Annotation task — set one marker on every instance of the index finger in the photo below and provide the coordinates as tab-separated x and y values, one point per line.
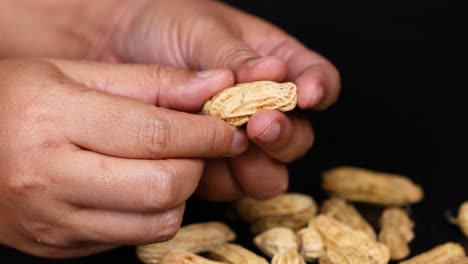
122	127
317	79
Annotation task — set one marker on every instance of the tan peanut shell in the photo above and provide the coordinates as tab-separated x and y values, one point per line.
324	260
462	218
346	245
462	260
236	104
288	256
195	238
235	254
362	185
396	232
178	256
294	221
311	244
276	239
447	253
250	209
346	213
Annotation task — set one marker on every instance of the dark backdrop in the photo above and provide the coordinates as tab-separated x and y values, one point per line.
402	109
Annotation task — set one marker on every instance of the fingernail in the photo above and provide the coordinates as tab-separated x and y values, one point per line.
208	73
240	142
271	133
251	63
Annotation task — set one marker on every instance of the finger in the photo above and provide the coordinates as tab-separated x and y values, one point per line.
93	180
223	48
40	249
118	126
218	183
317	79
259	175
163	86
125	228
285	138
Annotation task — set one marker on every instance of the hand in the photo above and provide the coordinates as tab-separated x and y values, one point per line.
83	171
193	35
208	34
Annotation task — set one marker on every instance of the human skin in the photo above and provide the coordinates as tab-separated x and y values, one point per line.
193	35
83	170
190	34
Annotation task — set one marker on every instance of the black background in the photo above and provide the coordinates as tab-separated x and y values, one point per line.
402	108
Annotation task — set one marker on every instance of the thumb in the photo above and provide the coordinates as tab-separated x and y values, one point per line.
163	86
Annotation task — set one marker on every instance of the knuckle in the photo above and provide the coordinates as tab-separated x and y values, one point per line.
169	225
25	185
160	229
153	135
161	191
159	73
231	55
47	234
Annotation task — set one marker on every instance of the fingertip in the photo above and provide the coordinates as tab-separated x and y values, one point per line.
262	68
266	126
240	142
311	91
318	87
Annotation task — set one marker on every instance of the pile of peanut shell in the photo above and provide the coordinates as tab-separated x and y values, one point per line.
292	229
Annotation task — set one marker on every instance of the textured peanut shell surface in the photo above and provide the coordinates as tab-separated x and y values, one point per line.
396	232
346	245
362	185
178	256
276	239
448	253
195	238
235	254
236	104
288	256
462	218
347	213
250	209
311	245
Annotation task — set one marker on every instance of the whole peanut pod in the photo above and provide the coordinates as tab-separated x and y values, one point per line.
356	184
195	238
396	232
276	239
236	104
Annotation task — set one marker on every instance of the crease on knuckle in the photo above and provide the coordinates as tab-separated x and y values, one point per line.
160	191
230	55
153	136
168	227
47	234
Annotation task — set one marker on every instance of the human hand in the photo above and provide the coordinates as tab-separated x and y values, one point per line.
208	34
83	171
193	35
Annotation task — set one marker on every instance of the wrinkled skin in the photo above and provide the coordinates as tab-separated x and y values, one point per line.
186	34
83	171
